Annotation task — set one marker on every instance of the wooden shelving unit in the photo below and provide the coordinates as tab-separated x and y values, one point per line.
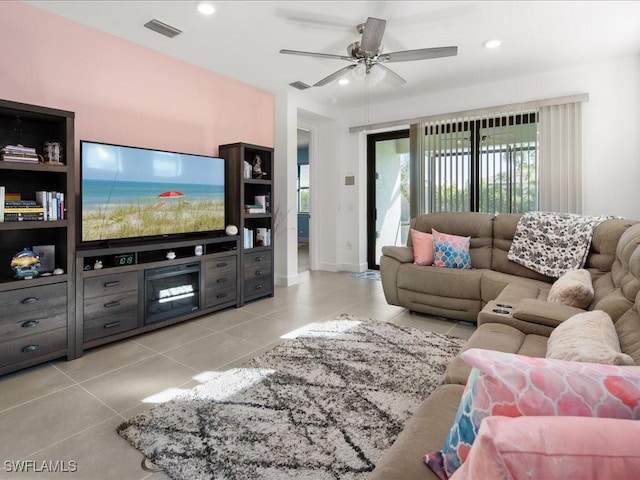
244	185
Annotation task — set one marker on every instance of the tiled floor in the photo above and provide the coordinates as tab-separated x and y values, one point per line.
67	412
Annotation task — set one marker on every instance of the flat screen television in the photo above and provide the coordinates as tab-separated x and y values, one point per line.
129	193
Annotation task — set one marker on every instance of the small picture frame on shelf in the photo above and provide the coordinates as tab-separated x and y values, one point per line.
47	255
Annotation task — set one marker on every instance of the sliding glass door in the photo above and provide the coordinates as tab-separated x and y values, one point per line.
388	192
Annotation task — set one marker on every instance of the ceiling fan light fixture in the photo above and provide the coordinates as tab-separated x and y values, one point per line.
360	71
376	75
493	43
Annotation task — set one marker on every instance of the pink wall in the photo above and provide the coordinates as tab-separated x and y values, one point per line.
124	93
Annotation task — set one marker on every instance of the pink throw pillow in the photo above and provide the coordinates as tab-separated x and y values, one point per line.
516	385
523	448
422	247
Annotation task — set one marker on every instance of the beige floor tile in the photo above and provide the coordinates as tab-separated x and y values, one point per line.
211	352
33	426
421	321
126	387
99	453
220	321
173	336
26	385
100	360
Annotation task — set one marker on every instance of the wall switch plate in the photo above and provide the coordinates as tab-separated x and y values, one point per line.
349	180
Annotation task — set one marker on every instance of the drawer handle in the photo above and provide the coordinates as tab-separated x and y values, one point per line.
221	295
111	325
29	300
258	287
115	283
258	259
259	273
221	280
30	348
222	264
115	303
30	324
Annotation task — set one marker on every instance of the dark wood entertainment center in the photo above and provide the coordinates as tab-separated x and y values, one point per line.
105	294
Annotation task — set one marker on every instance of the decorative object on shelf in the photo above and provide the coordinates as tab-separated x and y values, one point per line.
97	265
247	170
257	167
231	230
47	256
25	264
53	153
58	271
198	250
171	255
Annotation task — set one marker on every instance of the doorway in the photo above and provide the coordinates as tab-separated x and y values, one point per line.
388	193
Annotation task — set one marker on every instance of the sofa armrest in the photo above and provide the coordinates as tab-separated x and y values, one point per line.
542	312
402	254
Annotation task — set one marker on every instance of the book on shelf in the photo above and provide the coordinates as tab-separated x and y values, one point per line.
18	149
23	210
2	200
53	204
254	208
248	238
23	217
20	203
12	196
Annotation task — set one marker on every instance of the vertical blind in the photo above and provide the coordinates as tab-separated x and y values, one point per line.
485	163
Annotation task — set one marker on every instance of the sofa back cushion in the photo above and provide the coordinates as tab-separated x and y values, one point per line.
478	226
616	291
504	229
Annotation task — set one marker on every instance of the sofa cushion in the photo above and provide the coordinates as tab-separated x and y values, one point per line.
425	431
523	448
504	229
516	385
478	226
573	288
587	337
422	247
451	251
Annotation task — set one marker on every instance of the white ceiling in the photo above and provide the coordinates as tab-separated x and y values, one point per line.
243	38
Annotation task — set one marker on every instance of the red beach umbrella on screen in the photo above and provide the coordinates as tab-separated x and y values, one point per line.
171	193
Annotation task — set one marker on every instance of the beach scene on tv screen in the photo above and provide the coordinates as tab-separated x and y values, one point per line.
130	192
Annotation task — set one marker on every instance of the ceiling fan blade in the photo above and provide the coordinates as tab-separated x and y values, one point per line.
419	54
391	77
372	35
335	75
317	55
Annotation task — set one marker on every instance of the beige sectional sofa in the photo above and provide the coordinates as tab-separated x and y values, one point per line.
523	327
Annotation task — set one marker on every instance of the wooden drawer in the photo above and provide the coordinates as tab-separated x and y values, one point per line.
252	260
18	304
30	323
25	348
104	326
215	266
258	280
110	284
220	281
109	305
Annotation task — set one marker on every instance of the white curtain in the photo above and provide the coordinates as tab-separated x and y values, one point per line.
560	160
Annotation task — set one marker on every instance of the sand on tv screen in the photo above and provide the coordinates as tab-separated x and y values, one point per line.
129	192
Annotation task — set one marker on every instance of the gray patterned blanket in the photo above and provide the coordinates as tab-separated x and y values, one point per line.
553	243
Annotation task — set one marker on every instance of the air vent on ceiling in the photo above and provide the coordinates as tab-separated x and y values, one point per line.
162	28
300	85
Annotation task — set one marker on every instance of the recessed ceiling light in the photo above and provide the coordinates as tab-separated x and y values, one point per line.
495	43
206	8
343	81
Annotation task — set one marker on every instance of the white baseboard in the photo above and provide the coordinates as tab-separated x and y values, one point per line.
284	281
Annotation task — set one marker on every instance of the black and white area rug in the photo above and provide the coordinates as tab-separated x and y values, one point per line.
324	405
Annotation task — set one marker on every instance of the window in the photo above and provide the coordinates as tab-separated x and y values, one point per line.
303	188
483	165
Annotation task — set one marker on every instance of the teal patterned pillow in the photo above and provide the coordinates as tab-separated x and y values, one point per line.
451	251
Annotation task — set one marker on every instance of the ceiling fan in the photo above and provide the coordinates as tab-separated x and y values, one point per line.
366	56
